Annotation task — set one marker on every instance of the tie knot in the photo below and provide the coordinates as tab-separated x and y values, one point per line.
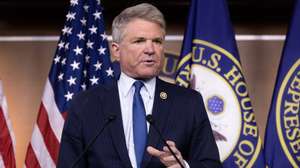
138	85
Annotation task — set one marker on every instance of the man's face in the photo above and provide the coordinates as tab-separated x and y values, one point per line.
141	50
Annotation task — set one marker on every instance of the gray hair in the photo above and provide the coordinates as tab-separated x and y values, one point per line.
143	11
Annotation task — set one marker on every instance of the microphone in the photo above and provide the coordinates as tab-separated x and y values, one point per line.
150	119
108	120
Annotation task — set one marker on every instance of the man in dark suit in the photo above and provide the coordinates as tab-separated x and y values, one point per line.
128	140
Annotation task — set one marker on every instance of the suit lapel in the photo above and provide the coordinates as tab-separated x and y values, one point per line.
116	127
160	113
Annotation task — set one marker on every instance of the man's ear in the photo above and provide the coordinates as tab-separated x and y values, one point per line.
115	49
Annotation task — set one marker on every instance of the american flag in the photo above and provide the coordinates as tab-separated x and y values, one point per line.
7	138
81	61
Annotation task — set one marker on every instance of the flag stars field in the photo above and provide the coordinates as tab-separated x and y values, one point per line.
102	50
97	15
97	66
75	65
69	96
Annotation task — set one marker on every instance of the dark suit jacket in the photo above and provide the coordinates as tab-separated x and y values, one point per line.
180	117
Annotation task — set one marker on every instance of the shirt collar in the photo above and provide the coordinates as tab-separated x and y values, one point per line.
126	83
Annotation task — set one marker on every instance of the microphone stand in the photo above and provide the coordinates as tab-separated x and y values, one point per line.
151	121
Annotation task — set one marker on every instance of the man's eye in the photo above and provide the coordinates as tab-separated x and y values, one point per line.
139	41
158	41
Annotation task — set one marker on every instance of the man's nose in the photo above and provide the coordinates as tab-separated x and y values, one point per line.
149	48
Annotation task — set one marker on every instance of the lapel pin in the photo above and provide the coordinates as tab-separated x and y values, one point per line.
163	95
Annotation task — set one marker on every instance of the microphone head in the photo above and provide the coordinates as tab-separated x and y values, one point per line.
149	118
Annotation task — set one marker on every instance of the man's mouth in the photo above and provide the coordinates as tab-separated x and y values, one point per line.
148	62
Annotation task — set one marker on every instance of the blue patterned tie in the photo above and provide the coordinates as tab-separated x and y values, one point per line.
139	123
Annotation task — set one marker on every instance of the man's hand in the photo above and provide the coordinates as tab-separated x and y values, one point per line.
165	156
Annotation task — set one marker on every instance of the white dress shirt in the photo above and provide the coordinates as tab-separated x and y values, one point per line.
126	92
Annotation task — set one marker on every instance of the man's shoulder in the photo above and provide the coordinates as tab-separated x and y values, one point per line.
178	90
97	91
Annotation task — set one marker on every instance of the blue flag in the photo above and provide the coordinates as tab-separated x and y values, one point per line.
282	139
210	63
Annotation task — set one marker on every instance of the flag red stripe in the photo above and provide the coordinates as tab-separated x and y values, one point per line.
50	139
31	160
6	145
64	114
